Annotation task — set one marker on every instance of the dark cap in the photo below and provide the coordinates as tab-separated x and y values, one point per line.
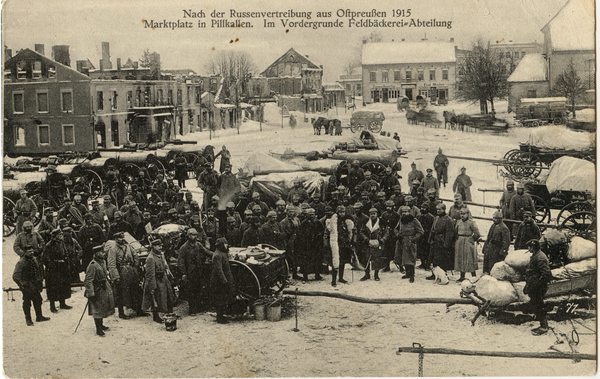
119	235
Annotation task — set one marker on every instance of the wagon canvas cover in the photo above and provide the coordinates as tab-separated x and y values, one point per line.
561	137
571	174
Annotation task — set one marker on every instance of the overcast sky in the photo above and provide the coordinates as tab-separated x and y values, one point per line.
84	24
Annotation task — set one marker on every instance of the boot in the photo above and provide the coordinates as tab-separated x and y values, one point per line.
462	277
367	273
318	276
104	328
39	317
376	275
407	272
53	307
99	331
333	277
27	312
122	313
341	273
411	273
473	274
64	305
157	318
387	267
305	277
221	316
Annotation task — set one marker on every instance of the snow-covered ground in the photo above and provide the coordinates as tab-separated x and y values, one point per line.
336	337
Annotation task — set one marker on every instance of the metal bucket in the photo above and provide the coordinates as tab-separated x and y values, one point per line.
171	322
260	311
274	312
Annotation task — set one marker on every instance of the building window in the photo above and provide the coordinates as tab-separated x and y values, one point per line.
68	134
21	70
66	99
19	136
420	75
42	102
114	100
213	85
159	96
372	76
348	88
43	135
531	93
100	97
508	54
7	75
516	55
138	98
51	72
179	96
501	55
37	70
396	76
522	54
170	98
18	106
423	93
129	98
359	89
432	74
408	75
384	76
198	94
445	74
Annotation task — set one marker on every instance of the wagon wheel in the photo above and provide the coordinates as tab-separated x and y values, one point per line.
535	124
375	126
96	184
129	172
542	210
376	168
245	279
509	157
190	159
582	224
533	163
569	209
155	166
281	281
9	220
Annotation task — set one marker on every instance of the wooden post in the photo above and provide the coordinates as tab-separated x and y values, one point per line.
506	354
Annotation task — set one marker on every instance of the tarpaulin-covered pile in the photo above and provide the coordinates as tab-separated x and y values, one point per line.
571	174
561	137
277	185
383	143
385	157
261	164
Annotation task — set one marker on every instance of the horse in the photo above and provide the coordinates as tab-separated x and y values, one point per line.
450	118
319	123
412	116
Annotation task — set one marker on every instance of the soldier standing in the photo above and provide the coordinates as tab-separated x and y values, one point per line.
122	264
25	210
29	276
98	290
58	273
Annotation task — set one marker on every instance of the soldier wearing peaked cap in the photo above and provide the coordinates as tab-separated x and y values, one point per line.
520	203
98	290
191	263
496	244
89	235
58	273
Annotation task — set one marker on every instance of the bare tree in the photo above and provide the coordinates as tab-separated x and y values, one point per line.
484	76
235	66
569	85
145	58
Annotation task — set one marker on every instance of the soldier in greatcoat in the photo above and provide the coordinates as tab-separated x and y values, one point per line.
89	235
58	272
29	275
122	264
98	290
376	234
73	253
28	238
496	244
222	284
465	257
340	237
526	231
272	231
158	293
192	264
25	209
409	232
441	241
289	229
310	245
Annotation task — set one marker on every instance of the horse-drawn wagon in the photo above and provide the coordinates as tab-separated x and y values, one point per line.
536	112
367	120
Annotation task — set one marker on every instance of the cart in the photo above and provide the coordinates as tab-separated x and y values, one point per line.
536	112
367	120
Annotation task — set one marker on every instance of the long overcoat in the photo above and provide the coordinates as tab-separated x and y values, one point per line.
58	273
496	245
98	290
158	293
465	256
409	232
122	264
441	242
222	283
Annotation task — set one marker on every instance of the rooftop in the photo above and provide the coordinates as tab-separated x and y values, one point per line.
408	52
532	68
573	27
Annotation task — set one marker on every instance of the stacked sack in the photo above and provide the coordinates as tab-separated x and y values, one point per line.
582	258
507	279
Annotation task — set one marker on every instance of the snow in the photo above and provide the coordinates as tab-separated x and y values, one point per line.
571	174
532	68
407	52
573	27
335	337
561	137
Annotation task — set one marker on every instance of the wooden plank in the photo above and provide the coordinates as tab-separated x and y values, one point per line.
506	354
569	286
417	300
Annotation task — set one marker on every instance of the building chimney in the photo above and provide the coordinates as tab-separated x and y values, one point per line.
403	39
60	53
135	64
452	40
39	48
119	64
105	63
306	56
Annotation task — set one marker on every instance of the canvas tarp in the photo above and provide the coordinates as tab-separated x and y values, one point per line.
277	185
561	137
571	174
385	157
383	143
325	166
263	164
